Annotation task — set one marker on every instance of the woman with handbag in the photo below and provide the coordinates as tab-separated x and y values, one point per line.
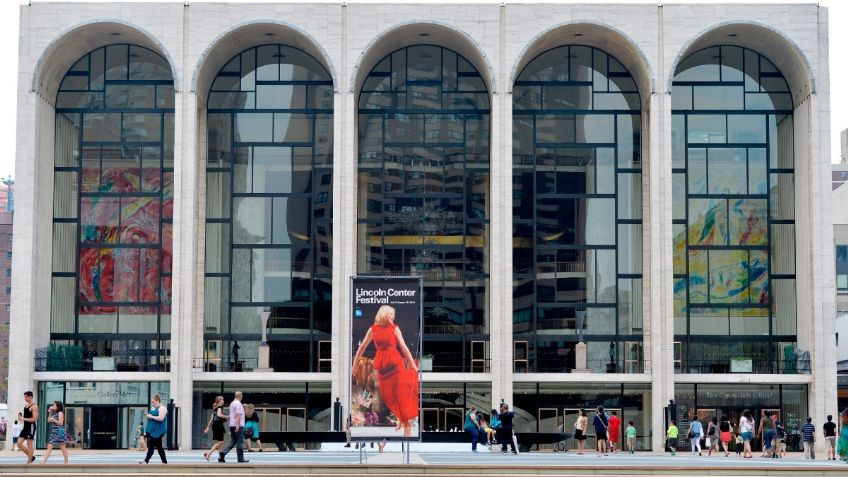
58	436
580	431
695	432
601	423
216	423
251	427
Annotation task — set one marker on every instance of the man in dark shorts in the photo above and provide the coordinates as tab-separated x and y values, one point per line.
29	417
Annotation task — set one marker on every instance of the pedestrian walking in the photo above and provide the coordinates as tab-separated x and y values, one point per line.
601	424
580	431
236	418
58	436
746	431
696	430
725	434
251	427
29	417
472	427
216	424
140	440
16	431
808	434
156	429
614	431
712	436
767	432
843	436
780	447
506	417
829	430
631	436
671	436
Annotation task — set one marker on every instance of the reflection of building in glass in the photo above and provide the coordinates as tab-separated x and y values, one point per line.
424	178
7	209
553	182
577	212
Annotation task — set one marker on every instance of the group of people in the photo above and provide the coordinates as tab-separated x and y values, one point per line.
243	423
29	418
491	430
607	432
718	434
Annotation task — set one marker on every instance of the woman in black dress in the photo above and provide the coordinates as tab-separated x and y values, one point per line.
216	423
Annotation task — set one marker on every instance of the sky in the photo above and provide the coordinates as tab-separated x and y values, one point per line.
9	17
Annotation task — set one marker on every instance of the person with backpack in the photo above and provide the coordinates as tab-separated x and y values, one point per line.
494	425
601	423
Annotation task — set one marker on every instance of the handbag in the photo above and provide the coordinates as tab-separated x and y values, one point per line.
691	435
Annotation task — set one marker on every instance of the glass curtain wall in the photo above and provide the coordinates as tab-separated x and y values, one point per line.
733	214
112	213
423	192
269	211
577	213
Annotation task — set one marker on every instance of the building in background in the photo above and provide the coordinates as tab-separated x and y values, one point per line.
604	211
7	208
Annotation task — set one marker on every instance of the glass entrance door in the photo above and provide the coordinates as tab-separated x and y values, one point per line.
104	427
75	425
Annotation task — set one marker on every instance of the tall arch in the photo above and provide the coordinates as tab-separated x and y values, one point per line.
733	211
250	34
113	207
423	192
269	195
412	33
766	40
594	34
80	39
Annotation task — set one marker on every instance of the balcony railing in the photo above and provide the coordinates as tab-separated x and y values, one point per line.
743	365
561	365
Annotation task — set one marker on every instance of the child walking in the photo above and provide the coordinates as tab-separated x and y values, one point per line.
672	434
631	436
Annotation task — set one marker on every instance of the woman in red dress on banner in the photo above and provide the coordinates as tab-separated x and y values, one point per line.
398	383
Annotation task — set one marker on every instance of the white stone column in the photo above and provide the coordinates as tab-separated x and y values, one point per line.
658	266
500	252
344	240
185	261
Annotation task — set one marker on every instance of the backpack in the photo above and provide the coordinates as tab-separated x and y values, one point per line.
781	432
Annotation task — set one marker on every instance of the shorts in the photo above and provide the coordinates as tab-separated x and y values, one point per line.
613	437
27	434
578	435
725	437
831	441
14	440
254	439
601	435
747	436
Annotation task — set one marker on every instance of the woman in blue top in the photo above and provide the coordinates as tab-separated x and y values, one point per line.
156	429
601	423
696	430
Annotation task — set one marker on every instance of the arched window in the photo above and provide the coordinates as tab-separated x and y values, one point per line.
269	211
577	213
733	212
112	211
423	193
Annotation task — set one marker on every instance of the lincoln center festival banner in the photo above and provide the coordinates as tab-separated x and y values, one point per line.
386	354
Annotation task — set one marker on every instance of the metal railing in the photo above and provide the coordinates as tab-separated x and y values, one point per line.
102	364
213	365
752	365
560	365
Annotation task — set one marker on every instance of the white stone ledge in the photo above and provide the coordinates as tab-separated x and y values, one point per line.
594	378
743	378
100	376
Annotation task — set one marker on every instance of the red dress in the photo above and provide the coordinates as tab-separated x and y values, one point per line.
398	384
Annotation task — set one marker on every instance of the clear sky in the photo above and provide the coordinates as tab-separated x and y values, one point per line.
9	16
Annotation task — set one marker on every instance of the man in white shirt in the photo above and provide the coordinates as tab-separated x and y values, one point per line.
236	429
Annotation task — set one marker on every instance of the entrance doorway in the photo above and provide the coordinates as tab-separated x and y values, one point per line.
104	427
